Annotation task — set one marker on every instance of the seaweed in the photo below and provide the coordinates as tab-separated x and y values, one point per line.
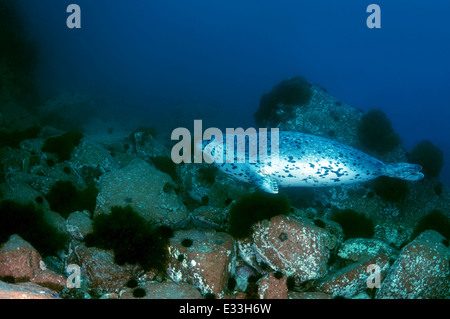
429	156
13	139
207	174
253	208
187	242
64	198
30	224
354	224
133	239
391	189
139	293
166	165
376	133
290	92
146	133
63	145
435	220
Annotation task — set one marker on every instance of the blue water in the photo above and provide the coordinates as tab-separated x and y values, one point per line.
214	59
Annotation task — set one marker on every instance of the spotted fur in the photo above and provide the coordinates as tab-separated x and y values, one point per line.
312	161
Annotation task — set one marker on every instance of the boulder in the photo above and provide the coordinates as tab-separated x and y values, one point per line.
217	191
293	246
100	269
420	272
358	249
325	116
18	259
90	160
308	295
351	280
20	262
79	224
26	290
165	290
205	259
143	188
209	217
271	287
21	192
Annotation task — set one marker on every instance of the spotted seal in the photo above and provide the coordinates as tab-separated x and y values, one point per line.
306	160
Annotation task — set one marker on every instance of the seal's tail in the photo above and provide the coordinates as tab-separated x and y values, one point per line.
406	171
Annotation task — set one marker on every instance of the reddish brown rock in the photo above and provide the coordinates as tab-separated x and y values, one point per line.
101	270
294	246
420	271
19	260
240	295
206	264
308	295
349	281
270	287
50	279
164	290
25	291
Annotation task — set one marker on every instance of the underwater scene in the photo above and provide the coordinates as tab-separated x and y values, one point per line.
226	150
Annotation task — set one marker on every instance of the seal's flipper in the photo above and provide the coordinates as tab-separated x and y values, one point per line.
266	183
405	171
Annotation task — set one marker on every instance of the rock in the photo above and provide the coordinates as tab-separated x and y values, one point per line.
20	261
393	234
325	116
88	156
208	217
308	295
357	249
78	225
142	187
13	159
351	280
41	184
50	279
192	183
100	270
295	247
270	287
362	295
225	189
165	290
87	163
335	235
220	193
242	275
237	295
146	146
207	263
420	272
22	193
25	291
